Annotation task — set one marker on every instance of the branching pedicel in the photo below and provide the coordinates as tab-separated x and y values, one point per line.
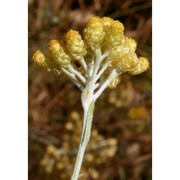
93	62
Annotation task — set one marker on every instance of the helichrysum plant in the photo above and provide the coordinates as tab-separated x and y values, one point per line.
93	61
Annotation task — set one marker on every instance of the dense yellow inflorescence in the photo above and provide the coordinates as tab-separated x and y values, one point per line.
93	61
105	34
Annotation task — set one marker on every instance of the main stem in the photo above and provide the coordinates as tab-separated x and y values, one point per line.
88	115
88	99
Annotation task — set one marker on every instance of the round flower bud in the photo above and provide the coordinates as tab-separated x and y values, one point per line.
94	33
45	62
106	21
127	62
115	34
141	66
114	82
39	58
57	52
74	44
118	51
132	43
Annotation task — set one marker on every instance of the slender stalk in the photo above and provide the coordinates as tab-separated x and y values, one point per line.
99	58
106	83
97	85
88	99
77	73
83	63
103	68
88	115
73	78
90	69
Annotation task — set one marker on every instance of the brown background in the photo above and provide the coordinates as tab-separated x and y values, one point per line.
123	113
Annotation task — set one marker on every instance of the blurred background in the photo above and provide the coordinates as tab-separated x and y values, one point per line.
120	147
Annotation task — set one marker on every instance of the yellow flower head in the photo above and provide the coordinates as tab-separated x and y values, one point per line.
94	33
132	43
57	52
115	34
118	51
45	62
75	44
141	66
128	62
123	56
39	58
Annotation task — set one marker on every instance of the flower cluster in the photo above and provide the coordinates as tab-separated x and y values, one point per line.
93	62
102	52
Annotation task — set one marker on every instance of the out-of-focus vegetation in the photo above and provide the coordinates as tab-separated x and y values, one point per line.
59	161
120	146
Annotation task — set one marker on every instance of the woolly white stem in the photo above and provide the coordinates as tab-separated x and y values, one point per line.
96	86
88	99
99	59
97	62
73	78
88	114
104	67
105	54
77	73
90	69
112	75
83	63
